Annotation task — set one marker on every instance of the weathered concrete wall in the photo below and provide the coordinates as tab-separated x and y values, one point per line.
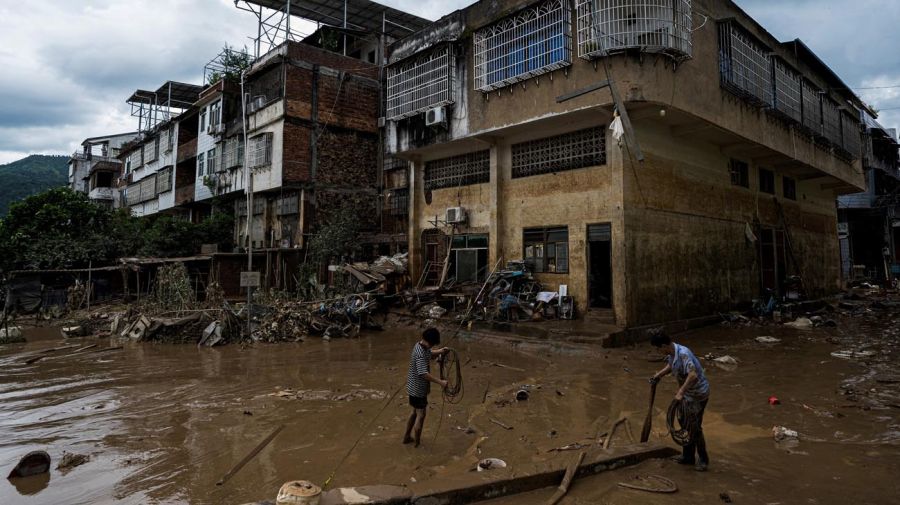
685	226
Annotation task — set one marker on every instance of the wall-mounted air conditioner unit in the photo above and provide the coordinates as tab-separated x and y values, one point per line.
456	215
258	102
436	116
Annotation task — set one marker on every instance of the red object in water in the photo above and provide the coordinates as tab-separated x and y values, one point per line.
774	401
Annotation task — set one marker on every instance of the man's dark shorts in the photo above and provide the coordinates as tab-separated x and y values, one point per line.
418	402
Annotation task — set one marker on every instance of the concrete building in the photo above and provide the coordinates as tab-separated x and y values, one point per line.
95	169
869	222
722	187
150	161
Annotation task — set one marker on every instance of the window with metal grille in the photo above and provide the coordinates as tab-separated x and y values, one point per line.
740	173
233	154
851	135
260	154
766	181
787	90
422	82
240	207
789	188
546	249
462	170
391	163
136	158
609	26
531	42
201	164
399	202
148	188
164	180
745	66
831	121
288	205
151	150
211	161
569	151
133	194
812	108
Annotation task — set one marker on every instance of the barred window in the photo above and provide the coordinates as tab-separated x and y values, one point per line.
399	202
569	151
240	207
233	153
766	181
789	188
420	83
133	194
151	150
392	163
740	173
463	170
609	26
211	165
812	108
787	91
744	65
532	42
200	166
148	188
288	204
831	121
164	180
850	135
136	158
260	154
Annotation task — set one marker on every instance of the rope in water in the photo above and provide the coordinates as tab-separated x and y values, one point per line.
687	420
361	435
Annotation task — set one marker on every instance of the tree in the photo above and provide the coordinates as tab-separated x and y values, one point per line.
231	64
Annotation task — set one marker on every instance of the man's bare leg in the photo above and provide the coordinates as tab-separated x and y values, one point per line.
420	423
407	439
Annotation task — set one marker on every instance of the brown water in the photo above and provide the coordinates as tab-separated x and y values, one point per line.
164	423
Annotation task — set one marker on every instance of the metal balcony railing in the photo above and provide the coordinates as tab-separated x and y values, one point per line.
658	26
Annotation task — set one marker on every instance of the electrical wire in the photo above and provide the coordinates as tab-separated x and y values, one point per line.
451	371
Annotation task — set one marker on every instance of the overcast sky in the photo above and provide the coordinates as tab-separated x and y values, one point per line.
68	66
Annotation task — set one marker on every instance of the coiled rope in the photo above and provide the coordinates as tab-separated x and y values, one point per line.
687	419
451	371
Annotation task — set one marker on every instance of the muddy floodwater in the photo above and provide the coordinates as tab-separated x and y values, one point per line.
163	423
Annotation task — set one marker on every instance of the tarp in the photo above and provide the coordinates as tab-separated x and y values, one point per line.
24	294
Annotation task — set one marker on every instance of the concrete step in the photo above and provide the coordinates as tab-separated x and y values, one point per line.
601	316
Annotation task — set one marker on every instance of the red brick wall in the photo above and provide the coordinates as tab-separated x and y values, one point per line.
316	56
296	161
350	102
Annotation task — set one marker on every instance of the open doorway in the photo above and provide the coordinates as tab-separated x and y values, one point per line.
599	239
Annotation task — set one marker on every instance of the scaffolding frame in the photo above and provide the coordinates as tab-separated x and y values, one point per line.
154	107
274	19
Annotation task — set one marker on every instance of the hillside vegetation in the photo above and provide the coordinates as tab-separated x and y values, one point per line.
29	176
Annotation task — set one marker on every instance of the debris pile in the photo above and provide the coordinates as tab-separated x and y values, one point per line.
326	395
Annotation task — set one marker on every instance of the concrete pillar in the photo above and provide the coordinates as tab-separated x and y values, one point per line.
495	242
615	159
414	235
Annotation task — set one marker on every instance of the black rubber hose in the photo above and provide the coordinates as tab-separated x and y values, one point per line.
687	420
451	371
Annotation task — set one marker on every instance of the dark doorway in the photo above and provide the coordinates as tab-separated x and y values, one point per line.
773	261
600	266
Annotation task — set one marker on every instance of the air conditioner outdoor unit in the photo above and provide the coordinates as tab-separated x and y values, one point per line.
257	103
456	215
436	116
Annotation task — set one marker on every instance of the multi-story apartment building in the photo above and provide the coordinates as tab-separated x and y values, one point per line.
869	222
312	129
150	160
95	169
717	181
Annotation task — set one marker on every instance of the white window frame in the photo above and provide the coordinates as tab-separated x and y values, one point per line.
201	165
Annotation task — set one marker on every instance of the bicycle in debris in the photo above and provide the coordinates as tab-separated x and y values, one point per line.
764	307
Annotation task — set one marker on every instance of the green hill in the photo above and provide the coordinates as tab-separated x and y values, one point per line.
31	175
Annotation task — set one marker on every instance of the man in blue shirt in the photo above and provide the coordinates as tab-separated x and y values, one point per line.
418	379
693	391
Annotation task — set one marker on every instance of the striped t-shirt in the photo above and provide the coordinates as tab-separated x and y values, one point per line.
419	365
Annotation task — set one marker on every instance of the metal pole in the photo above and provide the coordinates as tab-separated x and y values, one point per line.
88	287
248	177
287	36
345	28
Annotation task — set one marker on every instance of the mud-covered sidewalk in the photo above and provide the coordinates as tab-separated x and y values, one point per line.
163	423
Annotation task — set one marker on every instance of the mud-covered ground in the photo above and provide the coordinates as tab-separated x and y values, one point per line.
163	423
